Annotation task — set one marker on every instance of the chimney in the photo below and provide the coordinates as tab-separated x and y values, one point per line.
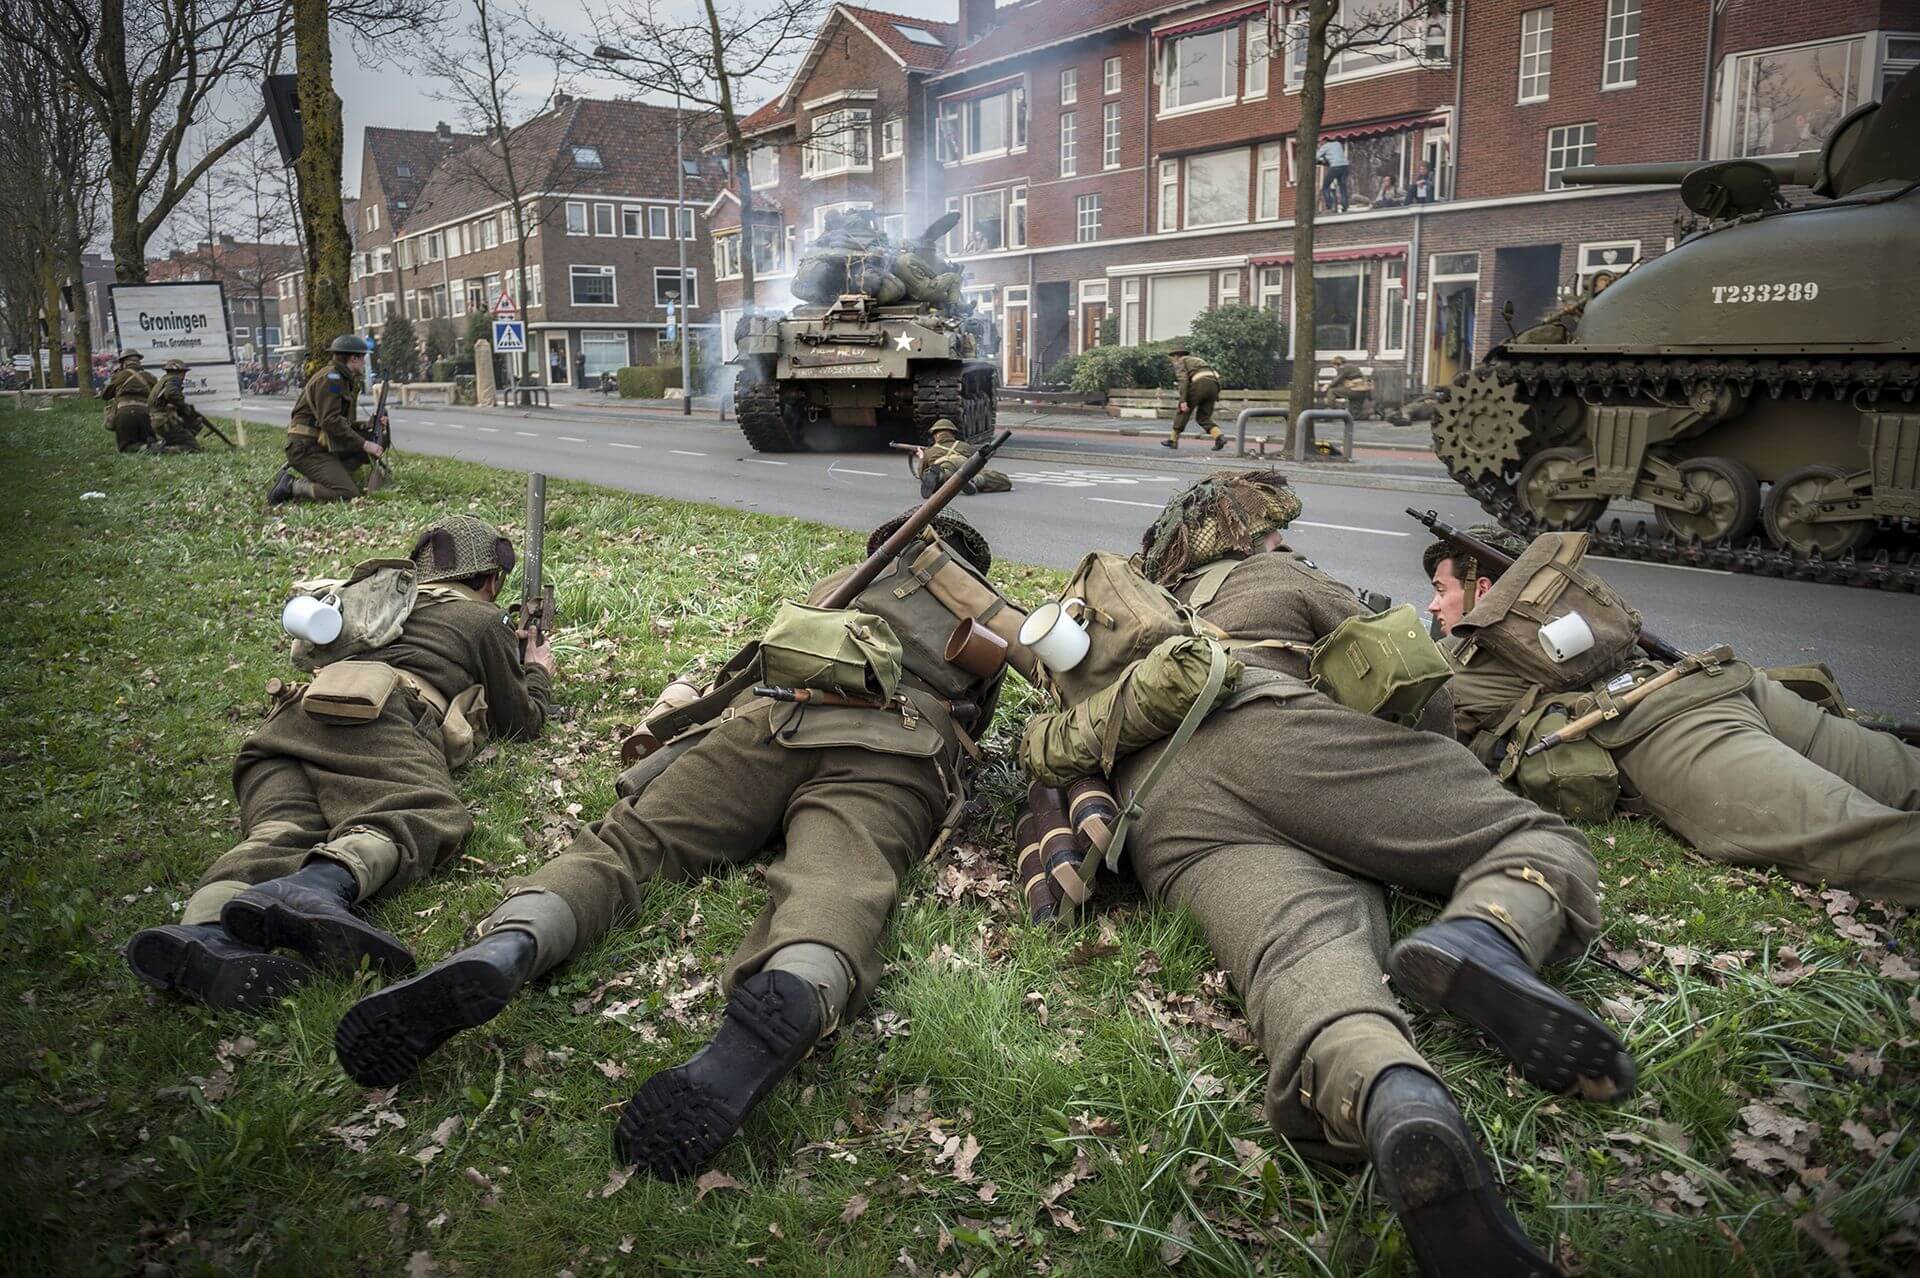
443	131
976	19
561	101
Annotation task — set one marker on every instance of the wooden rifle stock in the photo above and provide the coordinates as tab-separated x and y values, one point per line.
1651	644
863	576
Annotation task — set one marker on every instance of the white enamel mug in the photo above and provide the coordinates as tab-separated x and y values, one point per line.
1056	638
1566	638
312	618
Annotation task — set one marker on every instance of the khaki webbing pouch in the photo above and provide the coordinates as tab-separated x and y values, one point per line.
350	692
1815	683
1577	779
1386	665
832	649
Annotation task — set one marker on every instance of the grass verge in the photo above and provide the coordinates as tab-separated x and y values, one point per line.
1012	1101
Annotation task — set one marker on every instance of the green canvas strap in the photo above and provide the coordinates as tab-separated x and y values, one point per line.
1130	806
1208	581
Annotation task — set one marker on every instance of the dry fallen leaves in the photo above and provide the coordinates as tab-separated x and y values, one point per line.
856	1208
1173	1249
714	1180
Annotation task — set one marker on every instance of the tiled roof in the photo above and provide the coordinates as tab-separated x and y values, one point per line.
634	139
886	29
418	151
1026	27
769	116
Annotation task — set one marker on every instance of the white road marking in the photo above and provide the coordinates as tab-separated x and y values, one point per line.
528	434
1378	532
1712	572
632	446
449	425
1115	501
571	439
681	452
491	430
847	470
761	461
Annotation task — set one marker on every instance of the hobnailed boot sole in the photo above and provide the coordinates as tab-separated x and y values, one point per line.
168	959
336	940
383	1038
683	1116
1558	1045
1444	1197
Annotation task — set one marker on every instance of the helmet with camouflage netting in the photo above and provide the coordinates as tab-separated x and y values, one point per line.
1227	513
458	547
1467	567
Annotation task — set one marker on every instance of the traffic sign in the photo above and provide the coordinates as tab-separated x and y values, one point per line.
509	337
504	304
672	327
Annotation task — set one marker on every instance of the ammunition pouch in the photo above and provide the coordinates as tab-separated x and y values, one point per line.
1577	779
1386	665
350	692
837	650
1815	683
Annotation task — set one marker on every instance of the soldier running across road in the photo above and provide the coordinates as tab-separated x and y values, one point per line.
853	794
126	403
335	812
1736	763
324	443
1197	386
947	454
1279	825
169	412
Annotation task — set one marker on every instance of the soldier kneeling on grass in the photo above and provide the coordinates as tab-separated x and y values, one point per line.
346	792
169	412
850	796
126	404
946	454
325	446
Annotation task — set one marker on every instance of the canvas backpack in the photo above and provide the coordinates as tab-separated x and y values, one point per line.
374	600
1545	584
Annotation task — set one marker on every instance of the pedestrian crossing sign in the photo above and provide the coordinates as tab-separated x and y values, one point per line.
509	337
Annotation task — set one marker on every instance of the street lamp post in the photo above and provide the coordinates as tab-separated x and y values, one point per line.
608	53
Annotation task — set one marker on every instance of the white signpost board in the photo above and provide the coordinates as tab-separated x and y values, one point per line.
186	322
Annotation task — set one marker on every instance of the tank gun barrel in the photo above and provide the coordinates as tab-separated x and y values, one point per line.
1791	170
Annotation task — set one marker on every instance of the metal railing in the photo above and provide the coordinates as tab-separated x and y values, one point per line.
1300	429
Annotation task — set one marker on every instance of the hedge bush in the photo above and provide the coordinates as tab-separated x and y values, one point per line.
1111	368
647	381
1243	343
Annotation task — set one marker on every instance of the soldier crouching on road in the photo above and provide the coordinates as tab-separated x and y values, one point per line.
946	454
1197	386
1735	761
170	414
1280	823
324	443
338	811
856	794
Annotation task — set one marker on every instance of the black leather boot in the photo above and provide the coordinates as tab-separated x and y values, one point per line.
282	490
311	912
1470	970
1433	1175
201	962
682	1117
384	1037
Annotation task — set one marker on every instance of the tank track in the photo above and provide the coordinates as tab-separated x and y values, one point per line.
756	406
937	394
1592	377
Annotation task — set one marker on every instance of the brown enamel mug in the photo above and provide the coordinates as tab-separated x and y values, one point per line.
976	649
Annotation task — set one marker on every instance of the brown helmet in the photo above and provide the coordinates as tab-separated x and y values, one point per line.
945	426
458	547
952	529
1178	347
175	366
129	357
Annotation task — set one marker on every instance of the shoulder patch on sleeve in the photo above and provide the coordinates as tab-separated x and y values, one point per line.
333	377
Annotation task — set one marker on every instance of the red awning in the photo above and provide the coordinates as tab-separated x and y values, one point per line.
1213	22
1380	128
1336	255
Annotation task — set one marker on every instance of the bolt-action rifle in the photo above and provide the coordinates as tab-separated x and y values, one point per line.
538	609
380	425
1651	644
202	423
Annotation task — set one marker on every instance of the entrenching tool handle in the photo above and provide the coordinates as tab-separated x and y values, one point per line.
847	591
1594	718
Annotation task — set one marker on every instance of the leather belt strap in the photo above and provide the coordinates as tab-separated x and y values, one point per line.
424	690
304	432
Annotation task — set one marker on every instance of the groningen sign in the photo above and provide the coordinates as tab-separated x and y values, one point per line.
187	322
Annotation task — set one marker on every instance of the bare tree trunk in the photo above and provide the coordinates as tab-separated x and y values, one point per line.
1306	205
50	303
82	309
737	150
329	249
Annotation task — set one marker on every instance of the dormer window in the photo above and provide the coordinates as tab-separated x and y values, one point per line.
588	157
918	35
403	170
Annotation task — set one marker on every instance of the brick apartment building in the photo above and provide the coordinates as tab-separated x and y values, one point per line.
250	273
1132	158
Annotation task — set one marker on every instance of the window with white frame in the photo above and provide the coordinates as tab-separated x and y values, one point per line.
1340	307
1273	287
1622	69
1199	70
657	221
603	219
1611	256
576	218
985	126
1169	201
1110	136
490	234
1069	86
435	246
667	286
459	298
986	221
536	292
1393	308
686	224
1899	55
726	256
1227	291
1129	311
481	292
893	138
1259	46
763	167
1217	188
1173	302
957	236
946	133
373	217
1569	146
1086	219
592	285
1017	217
1422	32
1069	144
587	157
1536	54
603	350
1779	101
840	142
1110	76
630	222
1269	182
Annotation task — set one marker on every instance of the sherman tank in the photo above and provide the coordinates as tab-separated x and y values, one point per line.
1755	384
886	349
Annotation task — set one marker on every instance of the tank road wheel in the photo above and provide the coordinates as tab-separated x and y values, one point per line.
1546	468
1789	507
1733	502
763	419
1478	428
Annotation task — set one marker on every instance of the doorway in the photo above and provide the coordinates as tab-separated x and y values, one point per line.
1093	313
1017	335
1527	277
1052	327
1452	306
559	366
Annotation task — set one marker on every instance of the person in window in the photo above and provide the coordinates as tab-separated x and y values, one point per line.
1332	156
1390	195
1420	191
976	243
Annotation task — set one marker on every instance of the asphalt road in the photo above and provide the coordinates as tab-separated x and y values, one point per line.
1061	509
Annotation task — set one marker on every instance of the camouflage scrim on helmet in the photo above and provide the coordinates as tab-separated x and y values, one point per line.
458	547
1467	567
952	529
1224	514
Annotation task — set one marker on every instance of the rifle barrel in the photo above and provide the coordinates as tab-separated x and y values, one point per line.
533	573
